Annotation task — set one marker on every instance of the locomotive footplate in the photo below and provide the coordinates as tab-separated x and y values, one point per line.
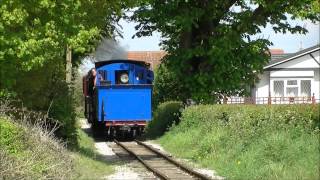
125	128
126	123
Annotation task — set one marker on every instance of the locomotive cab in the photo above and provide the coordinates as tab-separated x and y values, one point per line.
122	96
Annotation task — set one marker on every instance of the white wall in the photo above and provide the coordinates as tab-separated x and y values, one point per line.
316	85
299	73
302	62
304	67
262	87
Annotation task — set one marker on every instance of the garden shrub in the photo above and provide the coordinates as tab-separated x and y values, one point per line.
164	117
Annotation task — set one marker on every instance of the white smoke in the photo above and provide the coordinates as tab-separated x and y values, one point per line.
87	63
109	50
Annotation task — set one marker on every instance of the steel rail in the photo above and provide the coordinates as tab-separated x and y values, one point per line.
148	166
179	165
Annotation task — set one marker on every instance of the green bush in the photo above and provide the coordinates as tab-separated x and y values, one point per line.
11	137
43	89
63	110
164	117
250	142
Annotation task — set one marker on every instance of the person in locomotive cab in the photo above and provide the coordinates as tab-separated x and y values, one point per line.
91	81
91	78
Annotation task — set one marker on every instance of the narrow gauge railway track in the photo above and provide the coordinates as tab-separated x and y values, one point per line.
160	164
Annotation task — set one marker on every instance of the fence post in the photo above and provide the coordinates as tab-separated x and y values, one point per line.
225	100
313	99
269	98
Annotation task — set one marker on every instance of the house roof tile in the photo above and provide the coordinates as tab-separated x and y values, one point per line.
277	56
281	58
152	57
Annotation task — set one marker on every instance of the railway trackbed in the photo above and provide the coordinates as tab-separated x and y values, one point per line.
158	163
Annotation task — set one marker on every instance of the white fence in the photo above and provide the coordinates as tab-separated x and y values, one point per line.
270	100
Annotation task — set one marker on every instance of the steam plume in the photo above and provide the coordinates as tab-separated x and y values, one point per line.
109	49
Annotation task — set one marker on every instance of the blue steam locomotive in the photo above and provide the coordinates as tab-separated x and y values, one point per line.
118	97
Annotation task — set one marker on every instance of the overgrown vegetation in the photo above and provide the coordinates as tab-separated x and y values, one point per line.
44	89
164	117
250	142
29	152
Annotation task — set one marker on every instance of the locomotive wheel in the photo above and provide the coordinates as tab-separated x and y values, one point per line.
139	131
118	132
89	118
133	133
110	133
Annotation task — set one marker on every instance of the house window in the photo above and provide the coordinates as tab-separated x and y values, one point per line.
292	82
278	88
305	88
291	88
292	91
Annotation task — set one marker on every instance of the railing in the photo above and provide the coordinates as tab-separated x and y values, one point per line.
270	100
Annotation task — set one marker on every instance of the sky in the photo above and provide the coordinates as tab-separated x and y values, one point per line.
288	42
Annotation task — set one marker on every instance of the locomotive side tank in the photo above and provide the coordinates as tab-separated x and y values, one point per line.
121	101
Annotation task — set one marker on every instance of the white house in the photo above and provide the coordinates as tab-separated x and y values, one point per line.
290	78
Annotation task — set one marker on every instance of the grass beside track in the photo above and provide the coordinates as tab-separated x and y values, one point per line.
249	142
88	163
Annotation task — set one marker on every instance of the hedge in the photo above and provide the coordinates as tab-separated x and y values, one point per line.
250	142
164	117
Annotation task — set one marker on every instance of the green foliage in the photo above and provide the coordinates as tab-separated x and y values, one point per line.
78	96
35	32
166	86
309	11
166	115
44	89
63	109
11	137
250	142
4	93
33	39
209	43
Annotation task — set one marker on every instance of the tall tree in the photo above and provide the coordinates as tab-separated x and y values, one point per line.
209	43
34	36
36	31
